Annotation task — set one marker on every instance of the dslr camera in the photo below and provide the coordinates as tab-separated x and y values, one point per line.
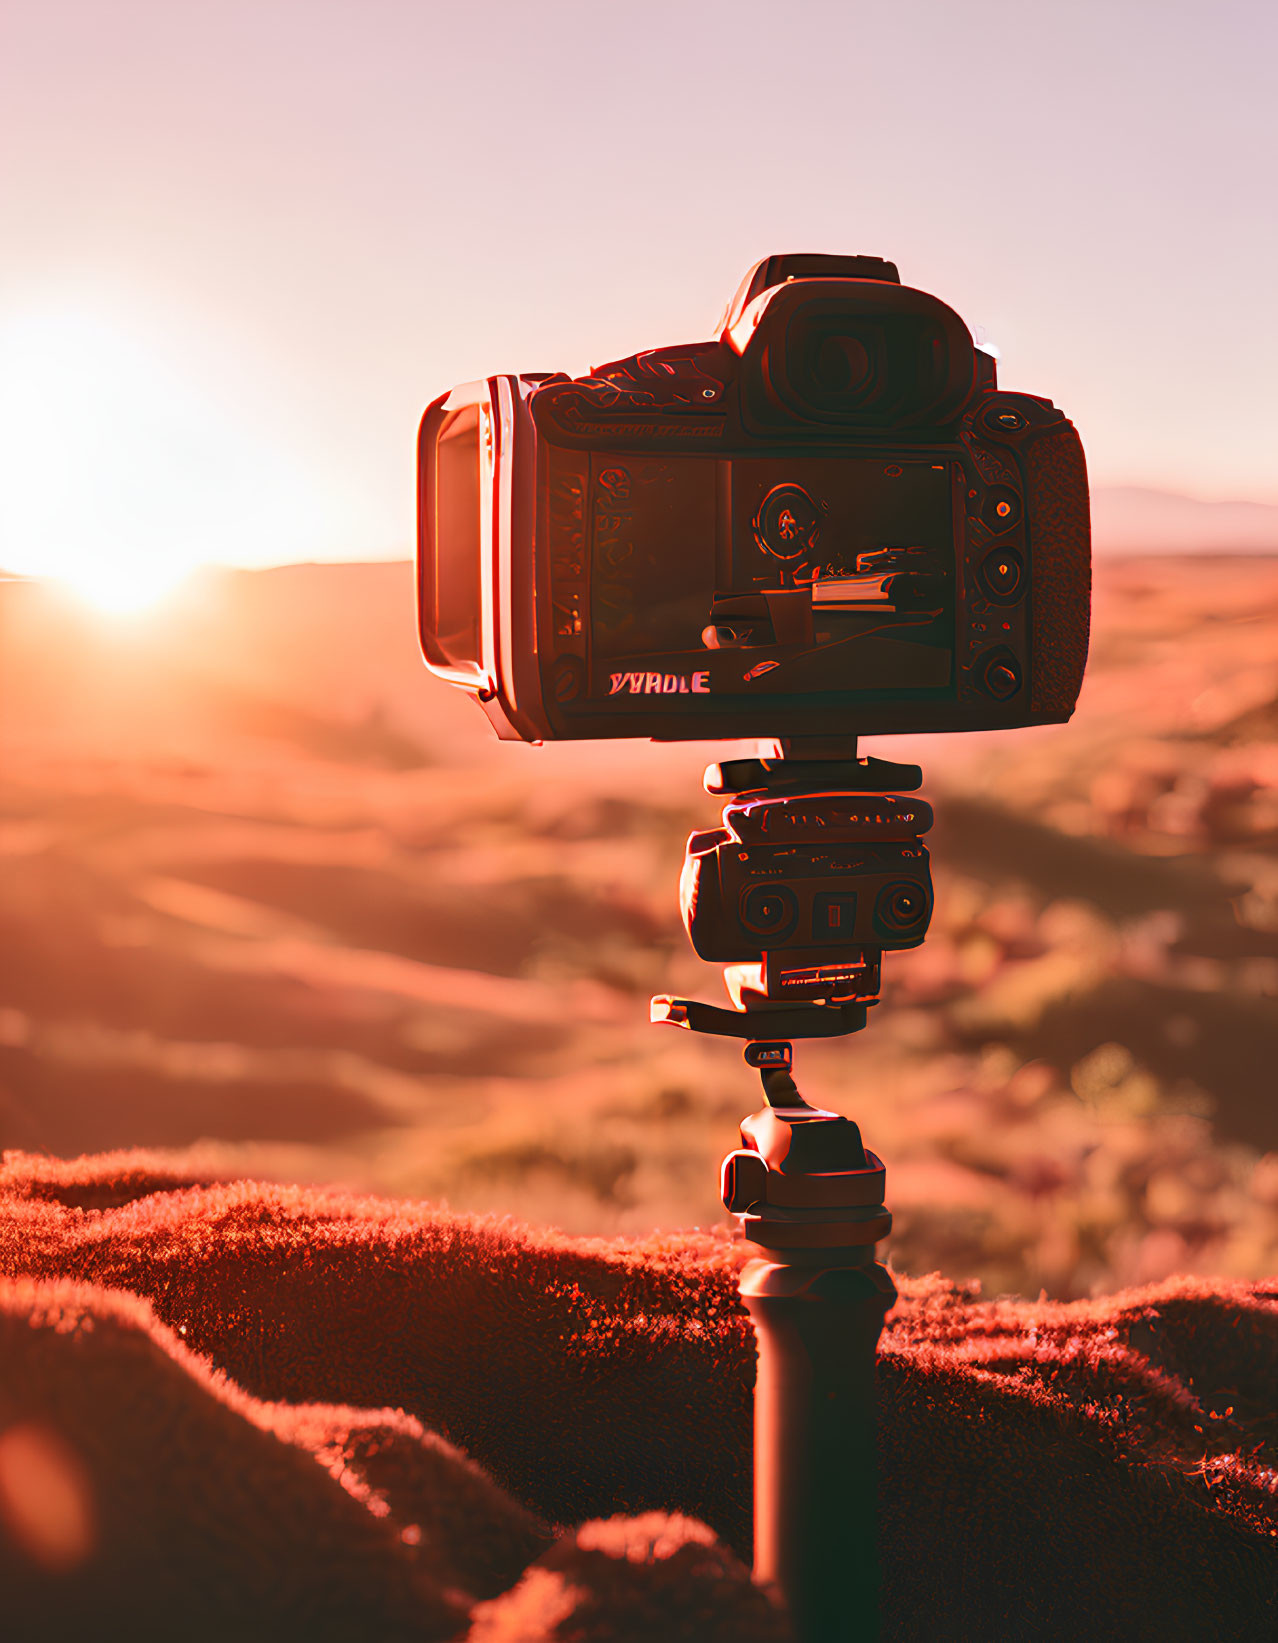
826	521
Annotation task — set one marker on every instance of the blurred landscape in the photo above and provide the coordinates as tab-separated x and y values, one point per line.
269	891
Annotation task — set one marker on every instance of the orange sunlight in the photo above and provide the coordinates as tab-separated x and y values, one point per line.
123	590
123	471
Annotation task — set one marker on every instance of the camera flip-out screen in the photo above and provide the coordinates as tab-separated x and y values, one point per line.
456	484
829	521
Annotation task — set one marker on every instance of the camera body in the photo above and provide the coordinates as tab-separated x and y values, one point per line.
827	521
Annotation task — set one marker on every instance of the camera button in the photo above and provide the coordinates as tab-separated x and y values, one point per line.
1002	575
1001	509
568	678
1003	420
1000	675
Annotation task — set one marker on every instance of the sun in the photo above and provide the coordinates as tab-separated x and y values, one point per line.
125	469
124	590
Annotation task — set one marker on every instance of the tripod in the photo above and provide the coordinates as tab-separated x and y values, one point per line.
817	869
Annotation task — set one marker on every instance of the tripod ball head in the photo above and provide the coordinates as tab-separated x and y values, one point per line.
803	1181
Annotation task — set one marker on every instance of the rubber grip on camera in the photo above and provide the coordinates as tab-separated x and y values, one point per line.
1060	540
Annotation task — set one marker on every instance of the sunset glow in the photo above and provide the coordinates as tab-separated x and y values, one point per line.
123	589
123	472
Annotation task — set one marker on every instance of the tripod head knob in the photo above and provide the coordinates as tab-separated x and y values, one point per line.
803	1179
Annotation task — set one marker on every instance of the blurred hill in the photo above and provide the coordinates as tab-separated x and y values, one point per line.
267	886
1135	519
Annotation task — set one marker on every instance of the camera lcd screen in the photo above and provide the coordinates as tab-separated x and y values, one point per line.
458	536
771	574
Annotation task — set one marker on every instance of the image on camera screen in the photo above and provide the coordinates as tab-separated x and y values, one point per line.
773	574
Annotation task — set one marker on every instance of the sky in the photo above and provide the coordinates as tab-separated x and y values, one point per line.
245	242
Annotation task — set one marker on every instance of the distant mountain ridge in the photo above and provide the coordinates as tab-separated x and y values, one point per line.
1138	519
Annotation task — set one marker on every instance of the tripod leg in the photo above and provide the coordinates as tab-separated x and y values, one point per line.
815	1478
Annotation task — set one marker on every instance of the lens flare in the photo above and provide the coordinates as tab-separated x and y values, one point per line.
46	1503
